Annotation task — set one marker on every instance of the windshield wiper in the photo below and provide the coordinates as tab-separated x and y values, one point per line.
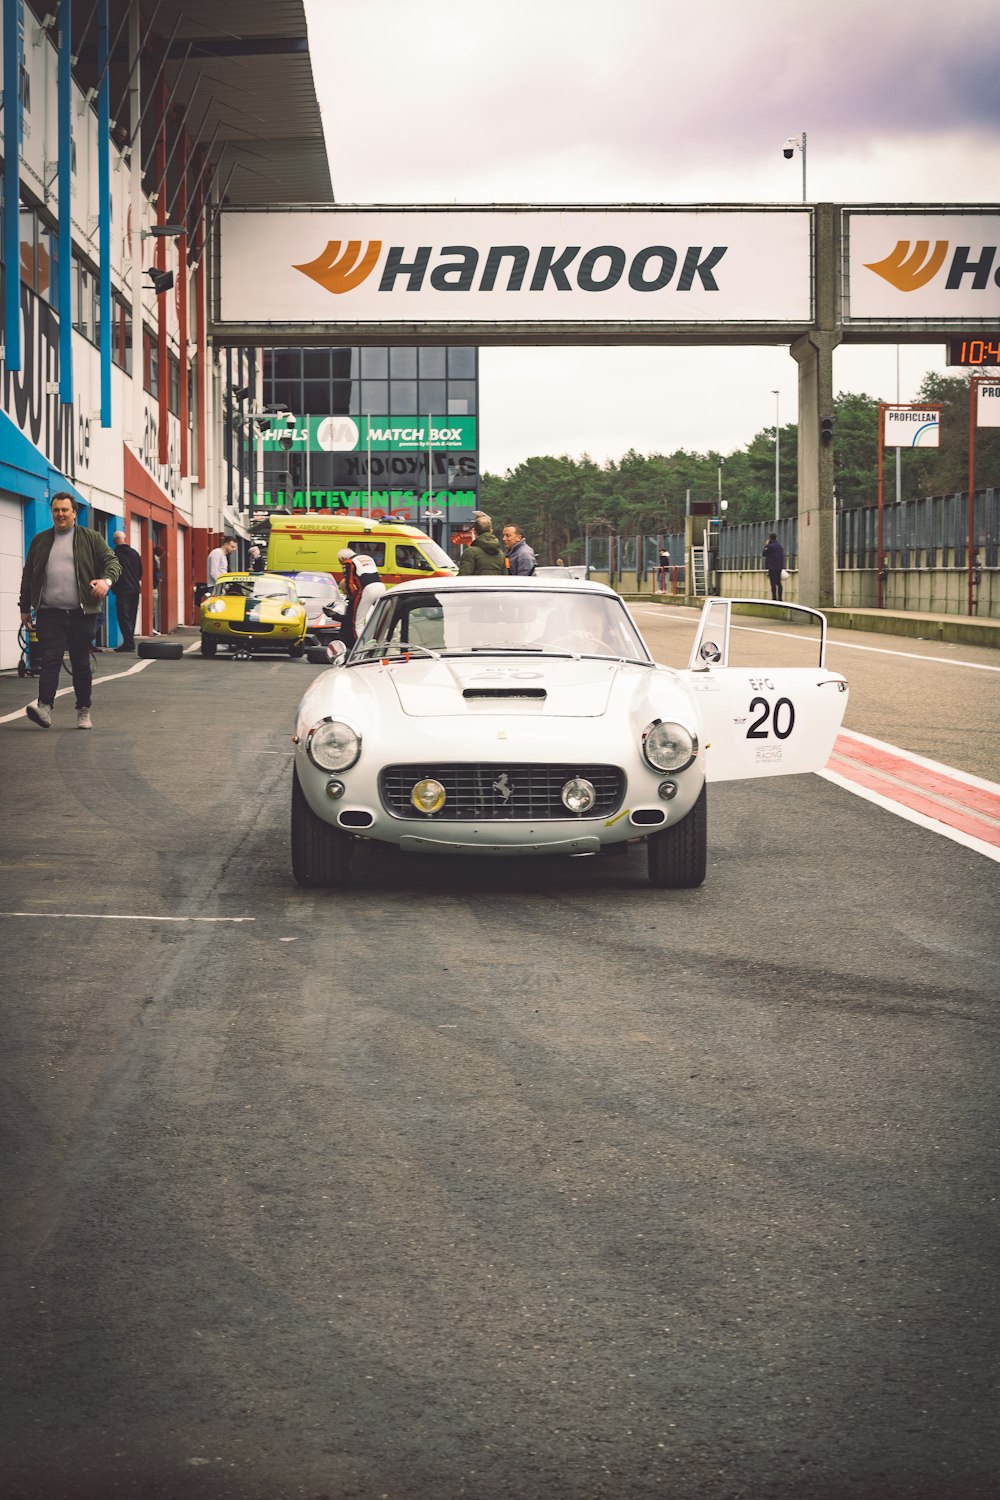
394	649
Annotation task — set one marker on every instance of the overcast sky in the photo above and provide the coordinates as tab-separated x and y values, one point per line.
658	101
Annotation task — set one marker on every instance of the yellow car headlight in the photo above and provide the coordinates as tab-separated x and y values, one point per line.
215	607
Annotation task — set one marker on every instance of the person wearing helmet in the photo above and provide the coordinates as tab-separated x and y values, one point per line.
363	587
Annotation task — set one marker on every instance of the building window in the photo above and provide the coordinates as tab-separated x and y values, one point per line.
173	383
403	364
432	397
150	362
462	364
84	301
403	397
461	397
121	333
432	364
374	364
375	396
29	247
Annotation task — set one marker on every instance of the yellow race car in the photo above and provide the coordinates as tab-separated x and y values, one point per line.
251	612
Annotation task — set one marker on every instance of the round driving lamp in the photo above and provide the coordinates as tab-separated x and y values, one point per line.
668	747
578	795
215	607
428	796
333	745
335	789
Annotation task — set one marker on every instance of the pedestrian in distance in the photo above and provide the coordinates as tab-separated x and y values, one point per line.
126	588
258	562
69	569
664	569
218	560
483	557
520	557
774	562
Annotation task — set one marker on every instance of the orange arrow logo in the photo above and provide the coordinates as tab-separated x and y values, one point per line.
907	271
342	273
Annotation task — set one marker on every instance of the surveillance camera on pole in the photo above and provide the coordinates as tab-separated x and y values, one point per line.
287	438
788	150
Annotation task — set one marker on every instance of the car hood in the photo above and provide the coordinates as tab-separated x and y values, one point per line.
562	687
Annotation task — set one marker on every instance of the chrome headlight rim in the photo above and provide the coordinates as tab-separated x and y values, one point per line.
317	740
578	796
654	749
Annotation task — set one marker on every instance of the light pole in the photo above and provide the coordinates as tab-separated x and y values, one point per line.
793	144
777	453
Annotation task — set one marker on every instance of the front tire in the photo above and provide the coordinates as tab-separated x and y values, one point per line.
677	856
209	645
296	651
321	855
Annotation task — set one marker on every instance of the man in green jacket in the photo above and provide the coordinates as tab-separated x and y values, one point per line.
484	554
67	573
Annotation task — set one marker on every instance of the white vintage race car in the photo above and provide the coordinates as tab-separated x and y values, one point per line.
526	716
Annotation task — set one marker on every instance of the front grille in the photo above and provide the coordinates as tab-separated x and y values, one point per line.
500	792
243	627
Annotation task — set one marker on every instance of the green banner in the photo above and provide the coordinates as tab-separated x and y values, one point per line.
359	501
382	434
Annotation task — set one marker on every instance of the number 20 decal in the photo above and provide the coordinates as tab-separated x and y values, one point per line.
782	719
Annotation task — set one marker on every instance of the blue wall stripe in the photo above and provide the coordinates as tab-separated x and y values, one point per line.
65	181
12	44
104	207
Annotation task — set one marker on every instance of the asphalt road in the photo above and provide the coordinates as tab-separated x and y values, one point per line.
511	1179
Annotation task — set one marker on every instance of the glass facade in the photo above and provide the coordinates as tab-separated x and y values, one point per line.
396	452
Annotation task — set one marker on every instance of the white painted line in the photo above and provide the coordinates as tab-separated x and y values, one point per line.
96	916
831	645
139	666
911	816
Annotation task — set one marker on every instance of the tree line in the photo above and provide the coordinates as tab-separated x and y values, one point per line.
557	501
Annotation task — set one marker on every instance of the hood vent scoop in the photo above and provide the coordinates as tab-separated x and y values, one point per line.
503	692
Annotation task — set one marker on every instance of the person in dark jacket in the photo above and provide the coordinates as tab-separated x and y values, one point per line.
68	571
126	590
520	557
484	555
774	562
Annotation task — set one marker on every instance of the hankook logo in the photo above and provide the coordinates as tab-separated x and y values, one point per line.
908	269
465	268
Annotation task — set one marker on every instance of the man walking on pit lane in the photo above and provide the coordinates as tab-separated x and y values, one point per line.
68	571
126	590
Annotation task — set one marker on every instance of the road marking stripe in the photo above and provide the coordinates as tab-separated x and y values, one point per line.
962	807
97	916
939	781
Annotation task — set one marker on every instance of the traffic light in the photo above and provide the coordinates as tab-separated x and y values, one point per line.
826	429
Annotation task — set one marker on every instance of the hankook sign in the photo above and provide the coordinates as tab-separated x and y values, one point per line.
718	274
548	266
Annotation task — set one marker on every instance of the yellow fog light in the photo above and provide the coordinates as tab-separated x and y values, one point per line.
578	795
428	796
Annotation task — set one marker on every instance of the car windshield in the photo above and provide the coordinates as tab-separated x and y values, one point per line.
261	586
317	591
503	619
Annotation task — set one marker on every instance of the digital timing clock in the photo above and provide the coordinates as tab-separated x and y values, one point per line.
975	351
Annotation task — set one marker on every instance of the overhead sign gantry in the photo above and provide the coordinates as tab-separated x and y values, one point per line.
807	276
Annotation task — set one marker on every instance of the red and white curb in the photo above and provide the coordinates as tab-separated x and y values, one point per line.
962	807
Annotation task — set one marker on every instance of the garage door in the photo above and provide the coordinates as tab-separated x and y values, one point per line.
11	566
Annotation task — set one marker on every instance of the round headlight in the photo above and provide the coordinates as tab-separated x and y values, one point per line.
332	745
428	796
215	607
578	795
668	747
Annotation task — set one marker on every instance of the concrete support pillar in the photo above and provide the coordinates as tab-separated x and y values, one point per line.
813	352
